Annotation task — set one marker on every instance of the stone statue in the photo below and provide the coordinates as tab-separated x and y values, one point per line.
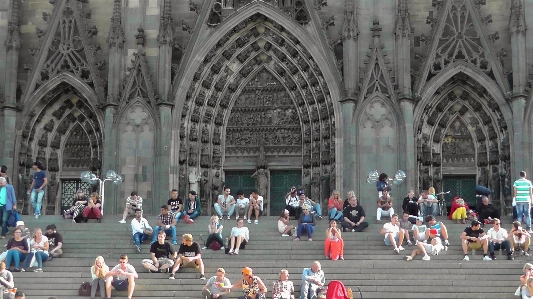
182	182
495	183
325	180
261	159
315	186
425	179
306	182
261	177
483	177
194	178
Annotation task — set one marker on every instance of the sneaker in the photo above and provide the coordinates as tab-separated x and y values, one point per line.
408	258
222	248
38	270
229	217
446	243
397	250
202	277
487	258
204	247
22	270
319	216
244	217
353	230
122	221
327	257
36	216
174	243
378	221
256	221
401	248
98	220
525	253
492	257
2	237
510	257
341	258
172	276
138	248
51	257
466	258
409	243
249	221
426	258
285	235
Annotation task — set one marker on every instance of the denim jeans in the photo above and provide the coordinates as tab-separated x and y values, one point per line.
505	245
138	238
218	209
40	257
37	201
4	215
309	229
335	214
178	215
524	208
170	232
318	209
15	256
194	214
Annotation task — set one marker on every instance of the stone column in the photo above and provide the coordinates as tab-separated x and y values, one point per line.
164	146
110	159
349	132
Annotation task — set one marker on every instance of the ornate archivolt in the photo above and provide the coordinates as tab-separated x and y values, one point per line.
64	134
257	47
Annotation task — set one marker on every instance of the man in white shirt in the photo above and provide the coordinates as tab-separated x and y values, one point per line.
498	240
256	206
225	204
121	277
393	235
428	204
141	229
243	205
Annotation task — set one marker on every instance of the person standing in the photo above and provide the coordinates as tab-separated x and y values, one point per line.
3	173
8	203
522	194
37	188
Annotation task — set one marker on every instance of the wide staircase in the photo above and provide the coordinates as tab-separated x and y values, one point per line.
370	268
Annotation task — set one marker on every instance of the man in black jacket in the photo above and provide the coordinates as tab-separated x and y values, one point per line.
486	210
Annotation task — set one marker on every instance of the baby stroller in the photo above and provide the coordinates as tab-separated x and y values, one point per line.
336	290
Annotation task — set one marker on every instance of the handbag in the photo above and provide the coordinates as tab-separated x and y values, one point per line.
33	262
518	291
85	289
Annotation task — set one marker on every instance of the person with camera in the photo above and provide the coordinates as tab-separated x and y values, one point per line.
140	228
132	202
291	202
498	240
474	238
519	238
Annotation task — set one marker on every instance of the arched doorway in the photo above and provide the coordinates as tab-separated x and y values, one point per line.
62	132
231	75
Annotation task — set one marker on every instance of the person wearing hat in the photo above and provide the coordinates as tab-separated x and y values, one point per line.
473	237
433	246
192	207
214	288
303	201
312	279
252	286
78	205
189	255
55	240
8	203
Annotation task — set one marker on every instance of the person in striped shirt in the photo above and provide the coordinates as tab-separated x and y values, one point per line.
522	194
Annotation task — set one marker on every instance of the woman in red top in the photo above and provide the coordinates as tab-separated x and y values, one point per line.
335	206
458	210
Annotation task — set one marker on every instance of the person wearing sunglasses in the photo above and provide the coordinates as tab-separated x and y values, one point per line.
252	286
498	239
125	277
307	222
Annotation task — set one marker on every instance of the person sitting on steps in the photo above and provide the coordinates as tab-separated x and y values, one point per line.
393	234
432	246
385	203
306	223
93	210
239	237
192	207
243	205
132	202
215	233
334	244
474	238
167	223
225	204
189	255
256	206
283	224
162	255
354	216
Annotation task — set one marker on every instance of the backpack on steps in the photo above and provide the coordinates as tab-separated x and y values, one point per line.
85	289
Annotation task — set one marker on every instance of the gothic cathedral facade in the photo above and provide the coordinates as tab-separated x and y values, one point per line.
266	94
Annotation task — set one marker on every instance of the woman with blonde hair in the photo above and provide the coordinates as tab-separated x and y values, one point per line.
215	232
93	210
38	250
98	273
7	277
334	245
527	290
335	206
351	194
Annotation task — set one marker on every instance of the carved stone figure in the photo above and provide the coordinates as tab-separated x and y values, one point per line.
315	185
193	155
483	177
261	179
182	177
495	183
494	153
205	158
324	184
194	178
426	179
205	134
193	136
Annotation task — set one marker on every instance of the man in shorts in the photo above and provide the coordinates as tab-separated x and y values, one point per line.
125	277
432	246
393	235
474	238
188	256
162	255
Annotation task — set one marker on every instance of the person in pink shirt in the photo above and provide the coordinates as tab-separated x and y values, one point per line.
335	206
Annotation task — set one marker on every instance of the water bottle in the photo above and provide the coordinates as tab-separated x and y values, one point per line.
226	243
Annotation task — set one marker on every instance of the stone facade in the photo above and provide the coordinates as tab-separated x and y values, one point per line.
176	94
